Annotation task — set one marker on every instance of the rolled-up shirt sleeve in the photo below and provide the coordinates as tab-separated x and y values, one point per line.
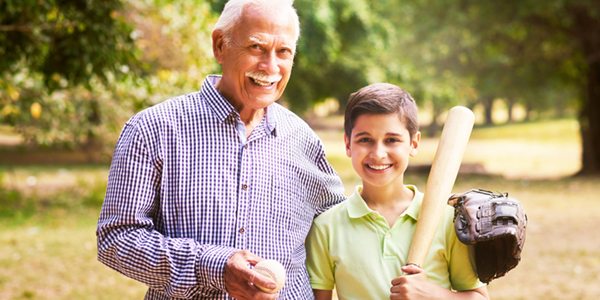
128	241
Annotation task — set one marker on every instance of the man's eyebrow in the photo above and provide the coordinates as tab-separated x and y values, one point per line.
257	40
289	46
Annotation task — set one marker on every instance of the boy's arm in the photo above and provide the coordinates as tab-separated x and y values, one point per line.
323	294
415	285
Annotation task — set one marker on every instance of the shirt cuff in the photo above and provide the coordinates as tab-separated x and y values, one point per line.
210	270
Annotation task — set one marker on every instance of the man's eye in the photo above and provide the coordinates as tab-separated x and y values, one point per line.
255	46
364	140
393	140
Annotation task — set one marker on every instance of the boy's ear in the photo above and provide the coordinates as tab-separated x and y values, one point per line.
347	143
218	42
415	144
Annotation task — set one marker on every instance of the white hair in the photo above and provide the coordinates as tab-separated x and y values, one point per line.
234	9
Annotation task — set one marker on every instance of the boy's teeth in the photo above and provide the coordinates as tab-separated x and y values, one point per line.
379	167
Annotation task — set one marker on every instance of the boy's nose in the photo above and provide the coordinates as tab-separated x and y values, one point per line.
379	152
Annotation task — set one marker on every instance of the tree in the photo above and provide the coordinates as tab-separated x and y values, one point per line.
57	45
525	50
551	46
64	39
135	53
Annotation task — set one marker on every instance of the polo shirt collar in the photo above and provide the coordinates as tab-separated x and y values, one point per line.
357	207
223	109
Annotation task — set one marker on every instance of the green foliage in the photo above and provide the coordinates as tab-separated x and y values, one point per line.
67	41
53	53
522	51
90	110
338	50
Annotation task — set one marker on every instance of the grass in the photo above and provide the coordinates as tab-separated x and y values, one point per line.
54	257
48	248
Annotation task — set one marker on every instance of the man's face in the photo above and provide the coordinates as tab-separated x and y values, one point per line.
257	58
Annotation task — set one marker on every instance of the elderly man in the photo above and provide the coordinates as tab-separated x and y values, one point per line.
207	184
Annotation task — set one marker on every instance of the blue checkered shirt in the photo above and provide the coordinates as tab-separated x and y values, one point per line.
186	190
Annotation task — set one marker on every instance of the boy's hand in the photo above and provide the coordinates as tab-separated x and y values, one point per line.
413	285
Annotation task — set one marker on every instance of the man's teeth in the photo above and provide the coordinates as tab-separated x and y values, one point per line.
379	167
262	83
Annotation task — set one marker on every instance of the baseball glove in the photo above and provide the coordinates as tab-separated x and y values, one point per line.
495	225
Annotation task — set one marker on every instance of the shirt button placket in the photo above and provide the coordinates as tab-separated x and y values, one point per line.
242	222
388	248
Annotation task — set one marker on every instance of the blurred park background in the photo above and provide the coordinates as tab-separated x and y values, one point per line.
73	71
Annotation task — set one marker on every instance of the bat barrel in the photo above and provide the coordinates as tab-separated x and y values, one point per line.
442	176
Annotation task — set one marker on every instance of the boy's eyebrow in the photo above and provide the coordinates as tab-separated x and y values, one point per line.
387	133
394	134
361	133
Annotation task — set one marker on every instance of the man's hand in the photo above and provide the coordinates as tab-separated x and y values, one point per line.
413	285
240	279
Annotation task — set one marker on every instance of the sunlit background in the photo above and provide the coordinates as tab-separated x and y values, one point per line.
72	72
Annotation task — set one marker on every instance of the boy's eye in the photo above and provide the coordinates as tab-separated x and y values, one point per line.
363	140
391	140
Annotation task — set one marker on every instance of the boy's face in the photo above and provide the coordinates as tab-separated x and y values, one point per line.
380	146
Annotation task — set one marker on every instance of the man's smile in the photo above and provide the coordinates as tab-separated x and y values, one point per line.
262	83
262	79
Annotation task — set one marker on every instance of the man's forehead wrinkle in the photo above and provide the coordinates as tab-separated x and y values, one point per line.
265	39
257	40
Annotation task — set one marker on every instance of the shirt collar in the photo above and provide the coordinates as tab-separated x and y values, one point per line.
223	109
357	207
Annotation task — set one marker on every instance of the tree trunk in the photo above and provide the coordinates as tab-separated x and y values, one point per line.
434	127
510	103
488	104
587	28
589	119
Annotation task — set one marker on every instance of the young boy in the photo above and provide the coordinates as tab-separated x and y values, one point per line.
360	246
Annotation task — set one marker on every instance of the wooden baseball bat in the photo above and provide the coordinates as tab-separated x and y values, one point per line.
442	176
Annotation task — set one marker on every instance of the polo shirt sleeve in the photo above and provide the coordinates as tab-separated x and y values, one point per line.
127	239
318	260
463	274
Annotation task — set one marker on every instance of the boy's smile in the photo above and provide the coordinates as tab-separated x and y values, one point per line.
380	147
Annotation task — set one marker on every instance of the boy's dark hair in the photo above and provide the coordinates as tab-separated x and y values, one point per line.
382	99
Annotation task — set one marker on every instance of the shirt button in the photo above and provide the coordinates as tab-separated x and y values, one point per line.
246	146
387	235
242	230
245	187
374	217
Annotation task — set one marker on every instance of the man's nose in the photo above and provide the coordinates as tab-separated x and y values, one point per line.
269	63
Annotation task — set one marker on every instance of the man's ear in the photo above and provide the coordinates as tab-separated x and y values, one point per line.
347	143
218	42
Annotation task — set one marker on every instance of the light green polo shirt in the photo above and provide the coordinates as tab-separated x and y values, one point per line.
351	247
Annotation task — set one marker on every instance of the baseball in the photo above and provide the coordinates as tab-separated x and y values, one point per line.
274	270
